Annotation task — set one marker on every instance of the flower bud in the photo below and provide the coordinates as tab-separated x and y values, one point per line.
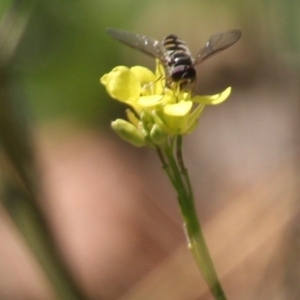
128	132
158	135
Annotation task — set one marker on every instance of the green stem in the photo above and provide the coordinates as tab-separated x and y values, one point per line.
179	177
183	168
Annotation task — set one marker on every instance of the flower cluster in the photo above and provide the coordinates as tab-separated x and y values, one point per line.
156	112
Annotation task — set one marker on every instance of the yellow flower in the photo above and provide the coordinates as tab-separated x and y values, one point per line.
136	86
157	111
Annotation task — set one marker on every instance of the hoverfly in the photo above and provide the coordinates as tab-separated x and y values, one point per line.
174	54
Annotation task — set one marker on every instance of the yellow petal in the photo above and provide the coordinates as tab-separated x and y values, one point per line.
160	81
193	119
121	84
214	99
150	101
160	69
176	116
178	109
132	117
144	75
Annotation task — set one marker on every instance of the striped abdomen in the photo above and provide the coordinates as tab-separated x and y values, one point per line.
178	60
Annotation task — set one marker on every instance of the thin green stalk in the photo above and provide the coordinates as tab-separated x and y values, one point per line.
165	165
178	174
182	166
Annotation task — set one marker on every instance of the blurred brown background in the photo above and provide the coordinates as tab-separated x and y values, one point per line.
111	210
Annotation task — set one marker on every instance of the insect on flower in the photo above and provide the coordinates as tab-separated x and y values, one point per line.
174	54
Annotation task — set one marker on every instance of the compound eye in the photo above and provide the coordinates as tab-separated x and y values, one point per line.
190	73
183	72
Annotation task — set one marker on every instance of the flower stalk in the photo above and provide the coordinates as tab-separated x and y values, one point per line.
173	164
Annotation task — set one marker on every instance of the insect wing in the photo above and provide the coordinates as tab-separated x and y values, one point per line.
217	43
142	43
